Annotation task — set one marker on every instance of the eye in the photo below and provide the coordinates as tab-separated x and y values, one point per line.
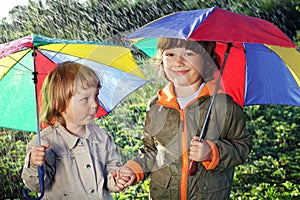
189	53
85	99
168	54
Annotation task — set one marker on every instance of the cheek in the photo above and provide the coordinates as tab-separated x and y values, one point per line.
167	61
199	66
80	109
167	72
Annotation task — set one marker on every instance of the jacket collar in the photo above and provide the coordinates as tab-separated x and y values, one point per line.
166	96
72	140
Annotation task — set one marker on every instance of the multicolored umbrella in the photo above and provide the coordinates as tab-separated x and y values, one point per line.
263	66
32	57
262	63
24	64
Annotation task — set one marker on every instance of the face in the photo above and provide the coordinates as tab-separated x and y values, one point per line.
82	107
182	66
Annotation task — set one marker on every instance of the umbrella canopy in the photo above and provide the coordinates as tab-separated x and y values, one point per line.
33	56
263	66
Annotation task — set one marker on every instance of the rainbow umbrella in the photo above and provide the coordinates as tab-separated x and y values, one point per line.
25	62
33	56
263	66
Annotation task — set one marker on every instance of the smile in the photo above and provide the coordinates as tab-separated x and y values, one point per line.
181	73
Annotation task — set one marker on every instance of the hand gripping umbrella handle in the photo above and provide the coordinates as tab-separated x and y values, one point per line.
193	166
40	167
41	181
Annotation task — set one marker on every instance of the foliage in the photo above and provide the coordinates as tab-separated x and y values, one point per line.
12	154
272	170
96	20
111	20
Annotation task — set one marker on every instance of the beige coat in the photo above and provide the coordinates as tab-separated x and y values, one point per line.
75	167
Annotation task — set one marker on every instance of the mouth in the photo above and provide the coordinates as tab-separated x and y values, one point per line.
181	72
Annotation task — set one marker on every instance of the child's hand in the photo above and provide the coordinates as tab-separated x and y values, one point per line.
124	177
199	151
120	181
38	153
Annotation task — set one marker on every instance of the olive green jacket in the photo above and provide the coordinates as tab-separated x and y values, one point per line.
168	131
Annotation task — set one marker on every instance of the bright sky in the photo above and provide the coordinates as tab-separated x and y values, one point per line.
8	5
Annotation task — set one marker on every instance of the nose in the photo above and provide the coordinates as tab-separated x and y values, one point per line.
95	104
178	61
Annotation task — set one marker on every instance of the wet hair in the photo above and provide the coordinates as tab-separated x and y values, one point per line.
60	85
201	47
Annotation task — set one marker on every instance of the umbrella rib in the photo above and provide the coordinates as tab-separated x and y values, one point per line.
56	53
16	63
15	68
253	48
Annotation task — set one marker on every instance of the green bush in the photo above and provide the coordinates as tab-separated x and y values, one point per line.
12	154
271	171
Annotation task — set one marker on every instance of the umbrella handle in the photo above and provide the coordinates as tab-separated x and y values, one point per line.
40	167
193	165
41	181
193	168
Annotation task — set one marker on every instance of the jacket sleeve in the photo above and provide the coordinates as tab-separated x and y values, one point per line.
113	163
30	175
144	162
235	142
30	172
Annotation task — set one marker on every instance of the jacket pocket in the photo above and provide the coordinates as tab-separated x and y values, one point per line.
215	187
160	184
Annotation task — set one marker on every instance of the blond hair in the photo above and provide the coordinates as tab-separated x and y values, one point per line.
196	46
60	85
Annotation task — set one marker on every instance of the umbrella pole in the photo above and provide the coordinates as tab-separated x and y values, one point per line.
40	167
193	166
